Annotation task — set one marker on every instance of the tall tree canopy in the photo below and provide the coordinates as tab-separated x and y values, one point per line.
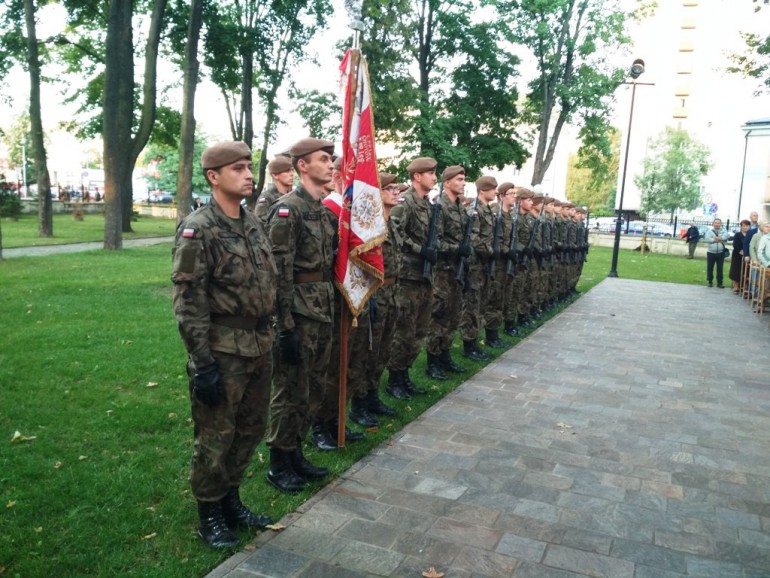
754	62
671	172
591	181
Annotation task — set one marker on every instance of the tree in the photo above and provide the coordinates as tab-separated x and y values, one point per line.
162	162
671	172
572	41
754	62
591	181
321	112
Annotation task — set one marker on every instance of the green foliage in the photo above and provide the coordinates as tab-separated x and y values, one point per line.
754	62
321	112
671	172
592	174
10	204
161	161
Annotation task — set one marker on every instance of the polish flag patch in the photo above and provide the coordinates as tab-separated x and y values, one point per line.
261	200
283	212
189	233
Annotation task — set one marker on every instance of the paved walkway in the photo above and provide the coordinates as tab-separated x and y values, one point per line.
627	438
77	247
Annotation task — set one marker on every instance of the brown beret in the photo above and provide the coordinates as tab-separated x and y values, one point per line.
279	164
452	172
556	203
338	163
402	187
421	165
548	200
386	179
310	145
224	153
537	199
503	188
486	183
524	193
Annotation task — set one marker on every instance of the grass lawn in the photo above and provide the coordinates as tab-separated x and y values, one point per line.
92	368
24	232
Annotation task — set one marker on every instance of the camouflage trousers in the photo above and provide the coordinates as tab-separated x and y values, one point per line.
226	435
445	316
521	284
367	367
358	344
470	319
510	296
414	301
299	390
493	308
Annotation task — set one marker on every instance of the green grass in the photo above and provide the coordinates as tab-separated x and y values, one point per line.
82	337
24	232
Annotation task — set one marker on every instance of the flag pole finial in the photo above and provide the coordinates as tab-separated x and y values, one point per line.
354	9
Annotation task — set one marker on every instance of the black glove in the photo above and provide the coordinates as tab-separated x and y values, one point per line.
207	385
373	310
290	347
528	251
464	250
429	254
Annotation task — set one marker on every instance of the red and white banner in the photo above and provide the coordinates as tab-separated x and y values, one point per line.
362	229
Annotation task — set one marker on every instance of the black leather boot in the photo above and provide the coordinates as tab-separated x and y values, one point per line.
395	386
525	321
213	529
281	474
239	516
433	368
375	406
472	351
493	338
322	438
304	468
409	385
510	329
448	364
359	413
350	435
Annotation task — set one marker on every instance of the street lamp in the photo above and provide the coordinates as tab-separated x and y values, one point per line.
24	164
637	68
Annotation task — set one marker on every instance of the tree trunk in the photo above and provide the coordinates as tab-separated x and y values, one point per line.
45	210
117	116
269	123
247	102
187	138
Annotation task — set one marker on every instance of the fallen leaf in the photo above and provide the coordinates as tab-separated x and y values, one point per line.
249	474
127	342
151	508
109	412
390	426
18	437
563	425
81	458
57	465
275	527
39	529
10	504
149	536
172	415
2	569
249	547
391	443
152	384
432	573
260	457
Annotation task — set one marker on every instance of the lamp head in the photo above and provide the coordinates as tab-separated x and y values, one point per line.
637	68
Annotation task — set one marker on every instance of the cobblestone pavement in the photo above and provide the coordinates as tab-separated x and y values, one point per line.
77	247
629	437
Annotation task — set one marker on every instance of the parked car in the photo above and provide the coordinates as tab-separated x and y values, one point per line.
161	198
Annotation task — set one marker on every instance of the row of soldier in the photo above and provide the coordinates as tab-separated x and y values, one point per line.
255	306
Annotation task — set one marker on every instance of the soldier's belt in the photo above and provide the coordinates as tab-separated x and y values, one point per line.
313	277
388	281
238	322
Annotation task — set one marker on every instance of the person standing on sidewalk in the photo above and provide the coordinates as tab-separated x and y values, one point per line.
223	296
715	253
692	236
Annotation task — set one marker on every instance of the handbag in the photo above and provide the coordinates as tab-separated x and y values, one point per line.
725	252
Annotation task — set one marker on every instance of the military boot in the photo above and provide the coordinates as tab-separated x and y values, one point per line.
526	322
213	529
322	437
433	369
448	364
409	385
239	516
375	406
350	435
304	468
281	474
493	338
510	328
395	385
359	413
472	351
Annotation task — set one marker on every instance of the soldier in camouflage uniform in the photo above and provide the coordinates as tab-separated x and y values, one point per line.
476	296
367	367
492	308
447	291
414	294
533	287
283	181
507	196
224	294
524	240
303	236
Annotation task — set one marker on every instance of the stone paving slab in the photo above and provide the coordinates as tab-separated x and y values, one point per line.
629	437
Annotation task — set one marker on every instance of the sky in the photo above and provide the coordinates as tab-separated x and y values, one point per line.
719	104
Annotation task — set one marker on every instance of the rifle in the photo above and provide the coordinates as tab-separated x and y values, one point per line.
513	254
432	241
532	233
462	269
497	239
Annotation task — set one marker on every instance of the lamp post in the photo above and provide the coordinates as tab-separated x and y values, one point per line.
637	68
24	164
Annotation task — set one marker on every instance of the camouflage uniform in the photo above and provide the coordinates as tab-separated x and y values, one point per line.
266	200
224	293
493	306
508	296
302	233
524	227
476	297
414	295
